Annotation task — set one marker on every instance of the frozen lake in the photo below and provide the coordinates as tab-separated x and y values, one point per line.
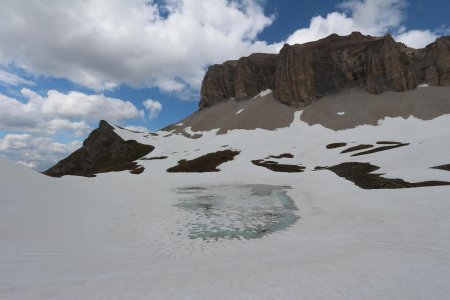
235	211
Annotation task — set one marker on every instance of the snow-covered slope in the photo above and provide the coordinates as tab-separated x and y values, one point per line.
156	235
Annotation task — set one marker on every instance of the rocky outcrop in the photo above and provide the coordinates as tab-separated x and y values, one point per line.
310	71
205	163
301	74
239	79
434	63
102	151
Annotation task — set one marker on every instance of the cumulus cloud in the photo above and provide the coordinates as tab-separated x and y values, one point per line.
79	128
416	38
153	107
373	17
75	105
103	43
35	152
60	112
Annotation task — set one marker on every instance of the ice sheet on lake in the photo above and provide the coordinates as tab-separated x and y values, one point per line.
235	211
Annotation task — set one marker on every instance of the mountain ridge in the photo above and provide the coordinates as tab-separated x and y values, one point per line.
303	73
329	69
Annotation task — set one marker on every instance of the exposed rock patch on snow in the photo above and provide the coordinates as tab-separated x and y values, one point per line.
283	155
361	175
357	148
205	163
335	145
277	167
379	149
445	167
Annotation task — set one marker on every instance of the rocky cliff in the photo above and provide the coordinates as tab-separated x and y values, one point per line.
301	74
102	151
240	79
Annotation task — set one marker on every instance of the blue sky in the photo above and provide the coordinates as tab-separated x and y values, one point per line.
140	63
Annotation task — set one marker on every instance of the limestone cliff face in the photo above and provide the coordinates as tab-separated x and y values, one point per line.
239	79
310	71
301	74
102	151
434	62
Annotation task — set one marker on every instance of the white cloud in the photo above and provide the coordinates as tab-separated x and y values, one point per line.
14	142
321	27
417	38
35	152
153	107
79	128
375	16
75	105
104	43
372	17
13	79
60	112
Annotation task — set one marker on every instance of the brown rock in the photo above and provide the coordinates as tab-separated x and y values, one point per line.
301	74
434	63
102	151
310	71
205	163
241	79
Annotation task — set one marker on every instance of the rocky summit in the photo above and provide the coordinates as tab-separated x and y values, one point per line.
301	74
102	151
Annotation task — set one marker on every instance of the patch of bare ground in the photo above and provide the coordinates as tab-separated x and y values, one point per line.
361	175
284	155
205	163
443	167
363	108
336	145
388	143
379	149
276	167
223	116
357	148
